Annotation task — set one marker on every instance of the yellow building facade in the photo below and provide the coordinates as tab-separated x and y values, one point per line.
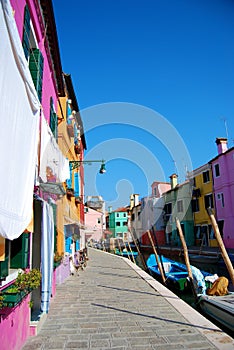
70	207
202	198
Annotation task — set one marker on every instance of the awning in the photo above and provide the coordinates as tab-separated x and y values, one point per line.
53	188
70	221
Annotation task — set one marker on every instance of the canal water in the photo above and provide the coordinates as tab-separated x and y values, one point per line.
218	269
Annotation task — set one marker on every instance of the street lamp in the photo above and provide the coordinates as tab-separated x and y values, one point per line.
74	164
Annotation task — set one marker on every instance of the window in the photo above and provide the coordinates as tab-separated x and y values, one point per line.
139	215
99	220
220	225
197	231
26	33
124	215
209	201
20	252
133	217
168	208
220	197
53	119
125	223
76	184
222	200
32	53
195	205
211	232
36	65
4	265
117	223
117	215
216	168
180	206
206	176
194	182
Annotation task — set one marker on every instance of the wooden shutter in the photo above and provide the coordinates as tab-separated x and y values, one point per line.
26	32
76	184
53	120
4	265
36	64
20	252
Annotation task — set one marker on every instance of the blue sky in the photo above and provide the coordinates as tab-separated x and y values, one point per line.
174	59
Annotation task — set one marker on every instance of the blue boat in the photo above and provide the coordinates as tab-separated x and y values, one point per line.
126	253
176	274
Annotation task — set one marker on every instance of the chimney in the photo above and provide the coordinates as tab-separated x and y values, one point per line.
222	144
134	200
173	178
109	209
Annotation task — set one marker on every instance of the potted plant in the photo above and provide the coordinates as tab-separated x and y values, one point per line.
57	259
28	281
24	284
1	300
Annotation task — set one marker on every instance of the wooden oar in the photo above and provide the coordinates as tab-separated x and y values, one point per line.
156	256
186	256
139	252
224	253
132	256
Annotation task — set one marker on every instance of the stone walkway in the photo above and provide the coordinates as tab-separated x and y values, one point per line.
113	304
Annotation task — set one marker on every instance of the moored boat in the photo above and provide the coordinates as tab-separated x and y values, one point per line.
176	273
203	259
126	253
219	308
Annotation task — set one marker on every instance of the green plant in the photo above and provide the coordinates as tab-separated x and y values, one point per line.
28	281
12	289
1	301
30	304
58	257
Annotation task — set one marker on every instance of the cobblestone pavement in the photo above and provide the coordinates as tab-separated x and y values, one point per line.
113	304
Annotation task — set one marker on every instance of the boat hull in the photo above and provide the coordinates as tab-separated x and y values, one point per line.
219	308
176	273
203	259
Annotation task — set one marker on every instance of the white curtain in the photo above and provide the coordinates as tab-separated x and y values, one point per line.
47	255
51	156
19	114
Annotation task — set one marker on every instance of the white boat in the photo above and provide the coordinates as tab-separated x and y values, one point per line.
220	308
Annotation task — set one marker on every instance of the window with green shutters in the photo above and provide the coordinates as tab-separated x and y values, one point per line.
54	207
53	120
26	32
4	265
36	64
20	252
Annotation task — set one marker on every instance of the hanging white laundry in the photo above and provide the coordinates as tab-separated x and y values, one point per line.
51	156
19	113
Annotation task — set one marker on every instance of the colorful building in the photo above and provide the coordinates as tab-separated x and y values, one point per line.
118	223
222	167
71	141
40	95
178	205
202	198
152	213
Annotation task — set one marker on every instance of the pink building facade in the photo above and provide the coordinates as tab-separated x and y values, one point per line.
223	187
36	27
52	80
93	224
